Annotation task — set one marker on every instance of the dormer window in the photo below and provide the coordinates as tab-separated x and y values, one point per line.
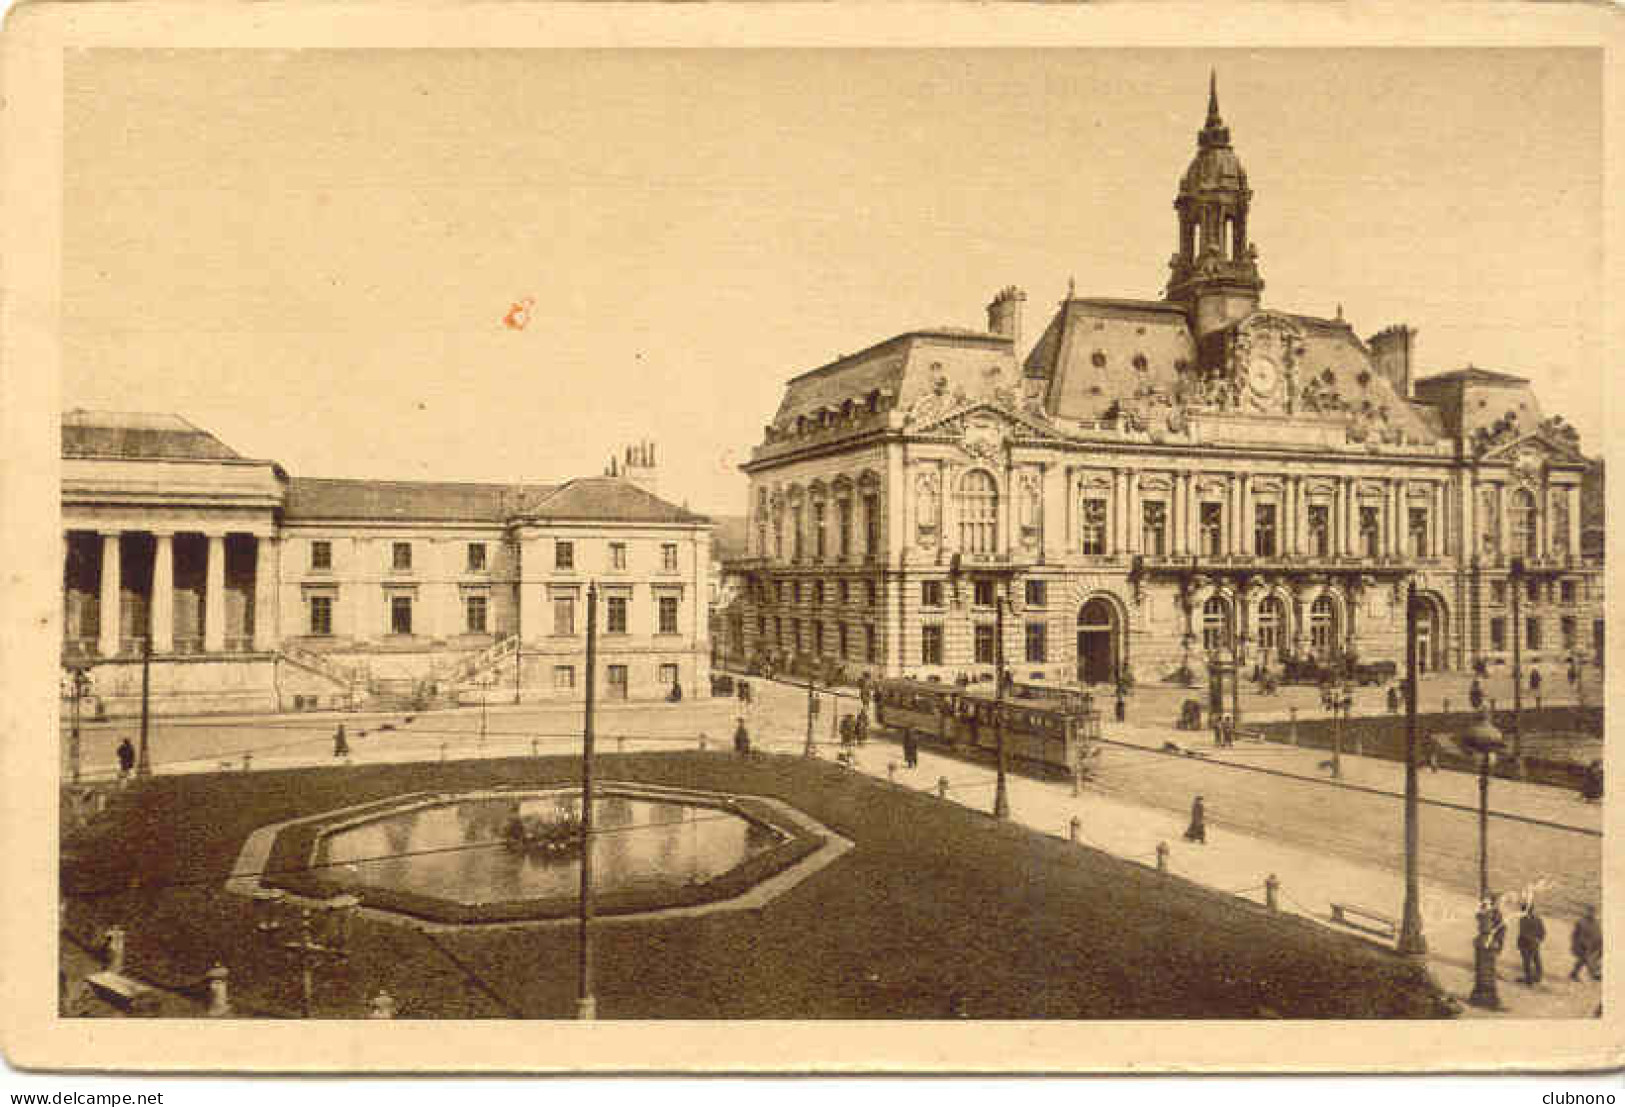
1098	359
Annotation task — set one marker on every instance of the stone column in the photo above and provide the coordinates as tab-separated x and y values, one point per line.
1248	512
108	644
1503	502
1437	522
163	592
1351	518
266	607
1176	513
1467	533
1573	494
1118	510
1131	481
214	596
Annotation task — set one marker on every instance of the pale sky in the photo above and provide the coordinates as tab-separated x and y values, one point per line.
311	253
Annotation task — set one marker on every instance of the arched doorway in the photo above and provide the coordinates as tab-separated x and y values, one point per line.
1270	629
1099	642
1431	628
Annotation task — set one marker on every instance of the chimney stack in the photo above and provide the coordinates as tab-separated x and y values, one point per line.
1004	314
1391	352
640	466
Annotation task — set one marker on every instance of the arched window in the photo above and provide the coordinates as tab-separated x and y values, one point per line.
1522	520
1216	623
977	505
1271	623
1322	626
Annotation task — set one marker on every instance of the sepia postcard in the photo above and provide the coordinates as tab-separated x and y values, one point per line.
921	538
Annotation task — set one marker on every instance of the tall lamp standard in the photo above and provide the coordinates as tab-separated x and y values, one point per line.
78	689
1342	705
1001	794
1411	939
1240	658
1483	739
1518	569
143	764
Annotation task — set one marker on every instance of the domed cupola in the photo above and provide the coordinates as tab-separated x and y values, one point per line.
1215	270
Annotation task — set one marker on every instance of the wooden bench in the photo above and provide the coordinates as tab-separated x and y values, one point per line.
1374	921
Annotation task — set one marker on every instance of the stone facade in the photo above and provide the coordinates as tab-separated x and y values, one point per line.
1157	483
261	592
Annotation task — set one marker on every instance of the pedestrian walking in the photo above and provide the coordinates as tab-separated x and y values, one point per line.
126	759
1197	831
1430	752
676	693
1393	700
1122	706
1475	695
911	748
741	739
1586	944
1531	933
1534	681
341	745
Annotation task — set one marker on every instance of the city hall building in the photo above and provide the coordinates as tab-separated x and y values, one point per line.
1157	480
257	591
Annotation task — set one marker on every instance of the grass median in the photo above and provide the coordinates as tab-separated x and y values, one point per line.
939	911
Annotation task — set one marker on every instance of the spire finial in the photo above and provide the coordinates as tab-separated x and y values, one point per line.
1213	119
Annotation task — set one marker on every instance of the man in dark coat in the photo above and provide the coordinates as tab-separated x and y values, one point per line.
1122	706
1475	695
1531	933
1393	700
1586	945
741	739
911	748
341	744
126	758
1197	831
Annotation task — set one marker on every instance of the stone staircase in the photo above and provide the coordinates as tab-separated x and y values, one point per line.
355	678
475	670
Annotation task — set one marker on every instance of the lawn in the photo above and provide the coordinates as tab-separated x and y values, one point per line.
938	911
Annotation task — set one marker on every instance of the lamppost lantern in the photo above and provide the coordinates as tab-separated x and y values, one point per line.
1484	739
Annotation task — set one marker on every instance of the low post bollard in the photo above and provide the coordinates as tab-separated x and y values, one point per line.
219	996
891	772
1072	829
248	762
383	1006
1162	857
942	787
1292	730
702	741
1272	892
535	747
442	751
114	940
1447	705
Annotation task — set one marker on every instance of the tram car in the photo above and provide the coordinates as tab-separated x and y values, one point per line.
1054	733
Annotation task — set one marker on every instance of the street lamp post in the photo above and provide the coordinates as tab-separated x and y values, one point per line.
1483	739
1342	703
143	764
1240	658
1518	569
586	1002
1411	939
812	713
79	686
1001	794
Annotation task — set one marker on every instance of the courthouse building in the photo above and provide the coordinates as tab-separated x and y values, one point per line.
259	591
1158	480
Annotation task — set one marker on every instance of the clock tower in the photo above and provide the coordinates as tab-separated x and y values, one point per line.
1215	270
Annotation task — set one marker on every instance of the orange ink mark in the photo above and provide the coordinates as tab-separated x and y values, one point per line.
518	316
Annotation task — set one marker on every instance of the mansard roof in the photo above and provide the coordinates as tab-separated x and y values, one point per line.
605	500
1474	375
131	435
311	498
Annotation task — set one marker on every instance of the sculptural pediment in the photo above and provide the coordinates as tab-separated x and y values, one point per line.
982	422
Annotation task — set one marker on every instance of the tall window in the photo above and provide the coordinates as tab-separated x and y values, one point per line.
1489	523
401	555
1370	530
1037	643
1212	527
1498	592
844	641
1154	527
871	526
820	543
1531	635
870	593
564	677
668	614
476	557
778	535
871	649
984	644
321	615
1215	623
1094	526
1037	593
931	644
1271	620
1560	522
795	634
668	557
564	555
1522	519
845	591
564	615
930	593
1570	635
778	630
617	555
977	506
1320	530
400	614
474	610
982	593
1322	626
1417	528
1498	633
1566	591
818	593
795	533
321	554
1264	530
615	615
818	638
843	523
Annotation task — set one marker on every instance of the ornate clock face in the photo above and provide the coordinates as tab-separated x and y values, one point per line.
1262	375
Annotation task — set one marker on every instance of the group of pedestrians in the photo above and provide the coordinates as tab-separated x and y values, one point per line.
1585	940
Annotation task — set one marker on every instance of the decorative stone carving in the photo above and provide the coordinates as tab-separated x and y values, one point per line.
927	508
1529	466
984	438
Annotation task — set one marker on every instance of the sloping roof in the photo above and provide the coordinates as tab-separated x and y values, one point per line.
132	435
730	538
605	499
1097	351
407	501
1475	375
